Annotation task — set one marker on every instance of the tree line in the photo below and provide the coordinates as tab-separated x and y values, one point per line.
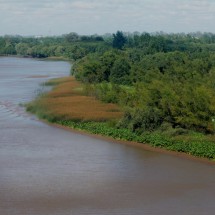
160	80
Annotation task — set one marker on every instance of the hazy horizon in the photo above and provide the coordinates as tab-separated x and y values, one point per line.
87	17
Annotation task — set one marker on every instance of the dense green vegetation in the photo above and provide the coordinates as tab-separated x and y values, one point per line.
160	80
164	83
70	46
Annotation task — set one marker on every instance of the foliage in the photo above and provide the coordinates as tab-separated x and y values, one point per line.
170	83
119	40
120	72
70	46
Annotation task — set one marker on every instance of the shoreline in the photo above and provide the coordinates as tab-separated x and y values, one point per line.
51	58
42	107
144	146
157	145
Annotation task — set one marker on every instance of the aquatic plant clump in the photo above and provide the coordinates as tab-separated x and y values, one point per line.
197	148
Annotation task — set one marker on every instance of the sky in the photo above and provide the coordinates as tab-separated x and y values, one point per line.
86	17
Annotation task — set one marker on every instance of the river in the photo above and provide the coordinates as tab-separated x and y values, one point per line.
46	170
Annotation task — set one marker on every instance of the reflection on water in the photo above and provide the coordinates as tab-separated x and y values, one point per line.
49	171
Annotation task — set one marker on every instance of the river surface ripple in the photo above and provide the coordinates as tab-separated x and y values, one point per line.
49	171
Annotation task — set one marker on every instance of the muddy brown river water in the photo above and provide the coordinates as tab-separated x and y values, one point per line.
46	170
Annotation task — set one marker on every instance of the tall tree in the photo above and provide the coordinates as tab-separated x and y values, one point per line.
119	40
72	37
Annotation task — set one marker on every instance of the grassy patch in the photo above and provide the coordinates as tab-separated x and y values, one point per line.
67	101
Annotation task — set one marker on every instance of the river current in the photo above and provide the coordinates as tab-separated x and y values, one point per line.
46	170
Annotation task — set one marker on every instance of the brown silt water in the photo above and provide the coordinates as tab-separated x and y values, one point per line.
46	170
